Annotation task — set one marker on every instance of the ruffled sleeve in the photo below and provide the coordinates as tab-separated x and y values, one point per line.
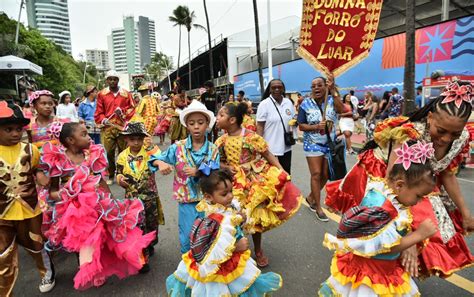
378	241
397	129
54	160
98	158
457	160
257	142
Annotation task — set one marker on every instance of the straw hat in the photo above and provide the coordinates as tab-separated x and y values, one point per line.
135	128
194	107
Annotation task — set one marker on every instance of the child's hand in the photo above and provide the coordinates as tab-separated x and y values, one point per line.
427	228
190	171
242	245
42	179
123	182
24	191
164	168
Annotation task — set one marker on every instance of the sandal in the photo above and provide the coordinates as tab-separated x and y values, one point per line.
311	205
322	217
262	260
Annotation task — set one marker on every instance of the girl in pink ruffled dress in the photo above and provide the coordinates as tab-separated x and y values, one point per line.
83	217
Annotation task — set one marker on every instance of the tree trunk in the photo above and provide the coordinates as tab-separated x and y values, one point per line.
179	52
259	56
211	62
189	52
409	75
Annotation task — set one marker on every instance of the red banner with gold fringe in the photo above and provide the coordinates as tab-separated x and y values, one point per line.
337	34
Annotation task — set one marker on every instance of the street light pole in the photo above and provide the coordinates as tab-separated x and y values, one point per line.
84	77
18	23
269	43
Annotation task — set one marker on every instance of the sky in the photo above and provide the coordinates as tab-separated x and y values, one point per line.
91	21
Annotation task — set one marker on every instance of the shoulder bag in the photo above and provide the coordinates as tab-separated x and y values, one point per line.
337	154
288	136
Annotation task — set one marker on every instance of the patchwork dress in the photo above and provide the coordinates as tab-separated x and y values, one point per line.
264	191
212	267
362	264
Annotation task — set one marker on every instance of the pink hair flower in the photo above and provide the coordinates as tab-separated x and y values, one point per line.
458	94
54	129
423	151
406	156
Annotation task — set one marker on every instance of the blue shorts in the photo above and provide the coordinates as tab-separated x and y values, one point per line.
187	214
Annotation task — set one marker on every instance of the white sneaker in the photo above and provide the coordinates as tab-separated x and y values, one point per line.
110	182
46	285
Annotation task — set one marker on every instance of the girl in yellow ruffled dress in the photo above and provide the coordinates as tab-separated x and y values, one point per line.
371	235
262	187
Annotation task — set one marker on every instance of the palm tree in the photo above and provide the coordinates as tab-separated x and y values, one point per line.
259	56
409	75
211	62
179	19
189	24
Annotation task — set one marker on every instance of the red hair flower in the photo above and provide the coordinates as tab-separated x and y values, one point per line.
458	94
5	111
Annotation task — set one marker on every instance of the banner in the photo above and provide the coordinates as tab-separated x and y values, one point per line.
337	34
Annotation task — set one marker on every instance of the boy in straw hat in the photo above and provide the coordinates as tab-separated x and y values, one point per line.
138	180
20	213
187	156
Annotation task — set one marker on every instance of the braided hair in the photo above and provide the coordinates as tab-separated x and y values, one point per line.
463	112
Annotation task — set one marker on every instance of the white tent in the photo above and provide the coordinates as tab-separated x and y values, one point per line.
19	66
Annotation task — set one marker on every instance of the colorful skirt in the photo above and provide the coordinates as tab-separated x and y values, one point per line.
267	195
163	125
352	275
238	276
101	229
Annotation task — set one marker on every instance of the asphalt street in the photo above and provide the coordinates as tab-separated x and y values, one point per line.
295	251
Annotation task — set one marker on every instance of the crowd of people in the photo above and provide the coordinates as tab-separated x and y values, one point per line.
404	215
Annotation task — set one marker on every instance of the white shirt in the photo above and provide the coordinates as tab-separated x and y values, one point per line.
68	111
273	132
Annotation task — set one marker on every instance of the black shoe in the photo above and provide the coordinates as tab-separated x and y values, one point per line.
145	268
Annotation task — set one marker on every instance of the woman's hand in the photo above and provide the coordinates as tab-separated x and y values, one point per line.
409	259
467	222
242	245
321	125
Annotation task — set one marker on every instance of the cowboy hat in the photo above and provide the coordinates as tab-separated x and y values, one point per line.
194	107
135	128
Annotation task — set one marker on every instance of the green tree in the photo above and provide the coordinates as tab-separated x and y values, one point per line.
178	18
158	67
189	23
60	71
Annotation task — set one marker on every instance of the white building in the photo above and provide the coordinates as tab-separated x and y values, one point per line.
51	18
132	46
100	58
